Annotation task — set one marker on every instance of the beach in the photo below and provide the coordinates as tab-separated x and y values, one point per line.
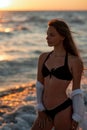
17	111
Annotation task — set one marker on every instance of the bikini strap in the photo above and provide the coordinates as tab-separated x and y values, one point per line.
66	59
47	57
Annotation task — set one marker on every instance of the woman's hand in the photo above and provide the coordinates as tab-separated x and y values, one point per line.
42	120
74	125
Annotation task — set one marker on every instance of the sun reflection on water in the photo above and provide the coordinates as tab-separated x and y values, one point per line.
4	57
6	30
16	97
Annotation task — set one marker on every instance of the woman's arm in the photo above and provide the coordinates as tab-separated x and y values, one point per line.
39	91
77	69
77	95
40	83
41	60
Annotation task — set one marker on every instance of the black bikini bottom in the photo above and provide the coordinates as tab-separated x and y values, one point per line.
51	113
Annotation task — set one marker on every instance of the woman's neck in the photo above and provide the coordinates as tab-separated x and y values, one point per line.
59	51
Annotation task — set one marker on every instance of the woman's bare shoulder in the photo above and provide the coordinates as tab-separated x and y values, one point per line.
75	61
43	56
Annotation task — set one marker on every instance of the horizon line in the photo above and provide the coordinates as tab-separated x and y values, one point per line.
39	10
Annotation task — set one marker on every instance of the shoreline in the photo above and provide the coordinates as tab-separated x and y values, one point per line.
17	107
18	88
16	97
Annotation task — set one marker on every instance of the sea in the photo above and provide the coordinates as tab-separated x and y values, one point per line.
22	40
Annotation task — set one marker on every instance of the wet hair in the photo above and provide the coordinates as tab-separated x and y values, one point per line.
63	29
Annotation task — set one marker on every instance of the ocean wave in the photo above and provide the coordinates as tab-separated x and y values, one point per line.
76	20
10	30
17	113
8	68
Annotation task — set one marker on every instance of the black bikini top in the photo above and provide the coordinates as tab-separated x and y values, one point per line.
61	72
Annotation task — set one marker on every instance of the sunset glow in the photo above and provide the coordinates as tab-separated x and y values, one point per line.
4	57
5	3
43	5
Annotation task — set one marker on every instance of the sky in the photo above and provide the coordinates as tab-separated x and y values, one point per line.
43	4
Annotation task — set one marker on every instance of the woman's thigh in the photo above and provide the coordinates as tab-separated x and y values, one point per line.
63	119
48	125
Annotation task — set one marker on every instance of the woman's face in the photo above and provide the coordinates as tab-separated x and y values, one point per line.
53	37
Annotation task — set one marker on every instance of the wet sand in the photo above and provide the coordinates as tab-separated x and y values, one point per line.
17	110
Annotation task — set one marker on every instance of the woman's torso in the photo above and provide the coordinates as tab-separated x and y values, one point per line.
56	82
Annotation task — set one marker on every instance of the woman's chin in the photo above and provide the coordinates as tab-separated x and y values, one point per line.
50	45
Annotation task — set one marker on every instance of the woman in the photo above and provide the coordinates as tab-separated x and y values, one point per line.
56	69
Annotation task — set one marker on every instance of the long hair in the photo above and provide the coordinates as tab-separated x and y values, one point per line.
63	29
